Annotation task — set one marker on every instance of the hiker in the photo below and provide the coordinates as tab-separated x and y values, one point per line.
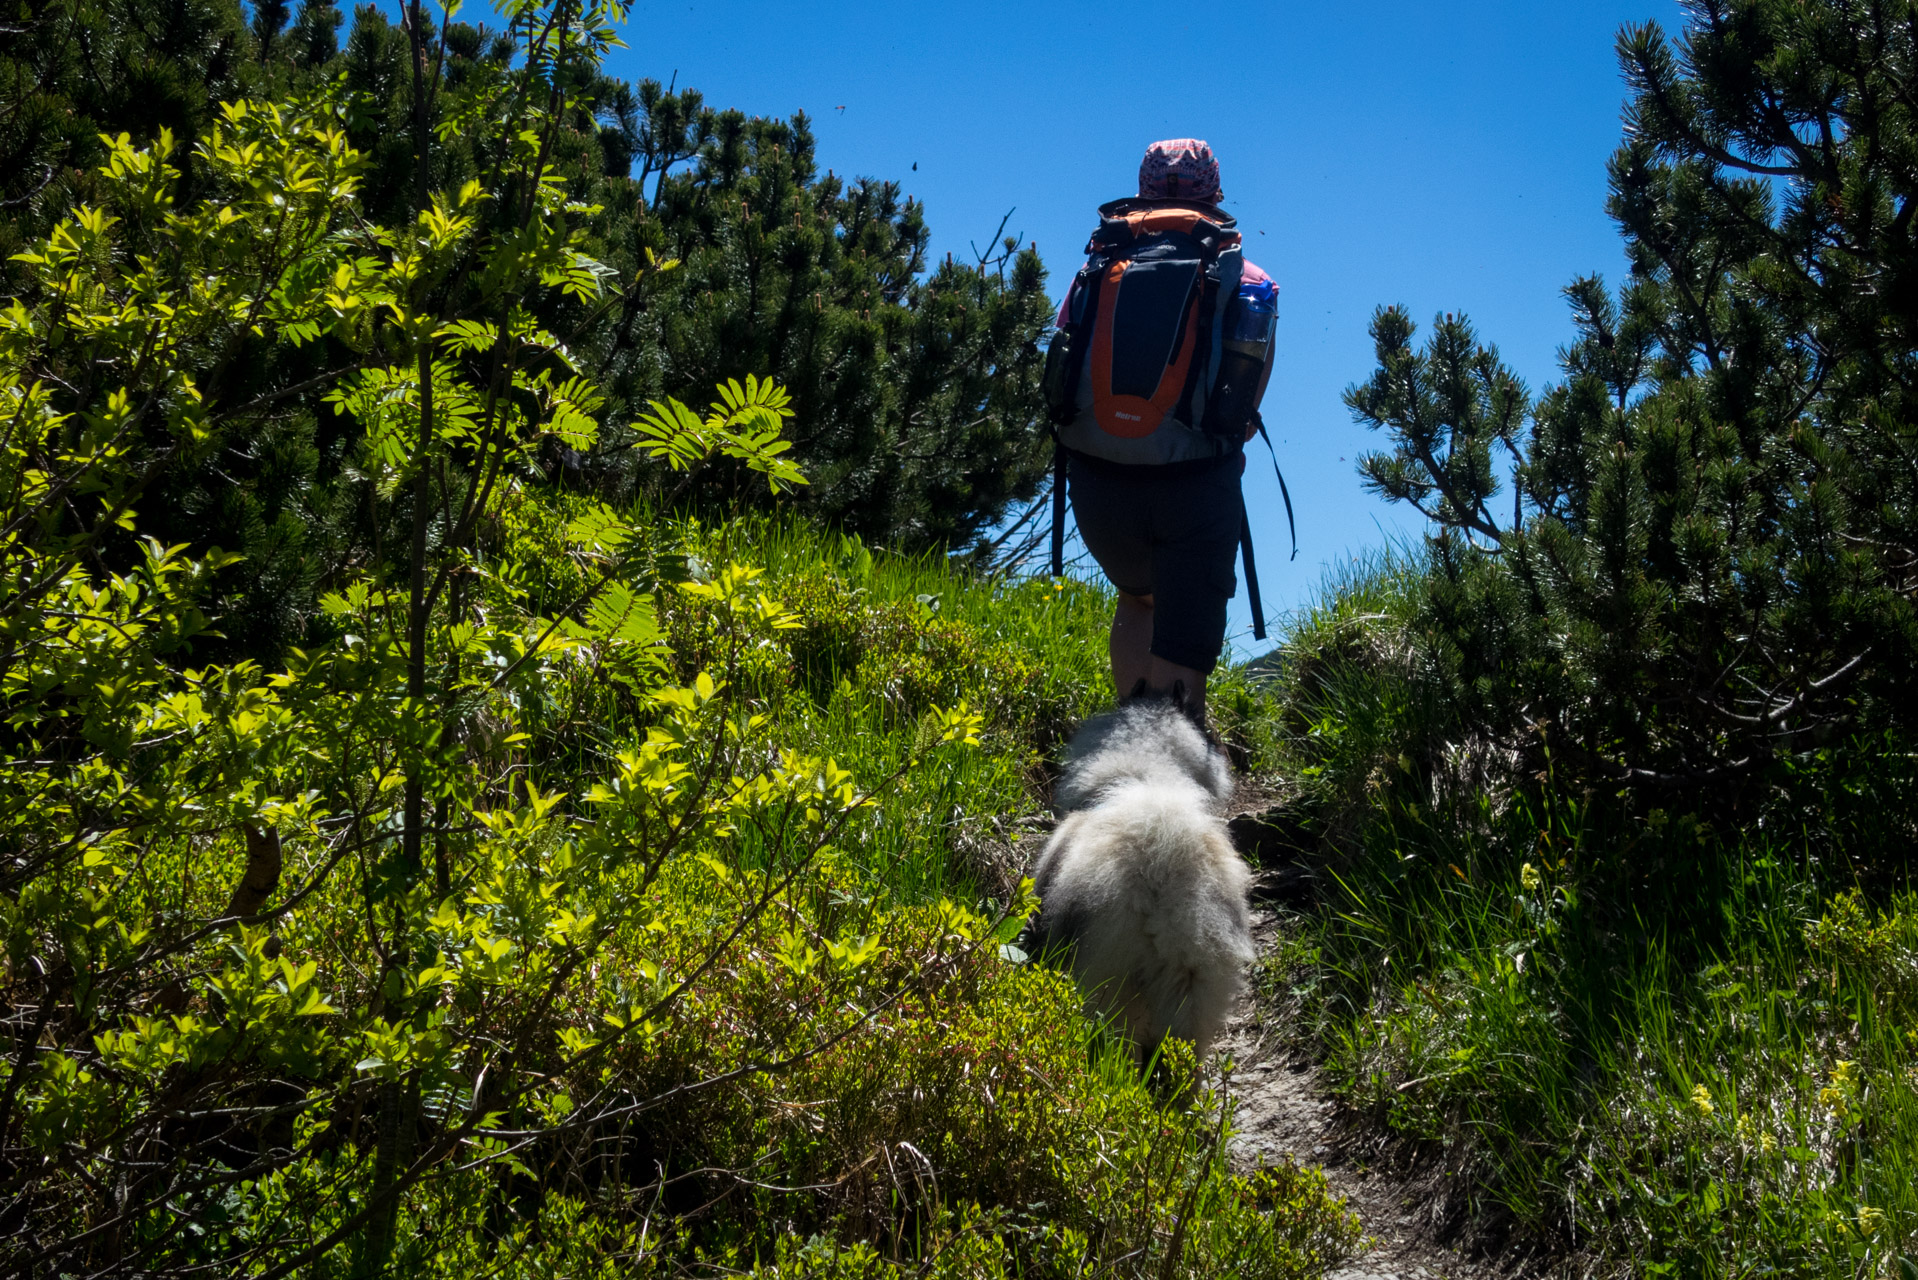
1163	349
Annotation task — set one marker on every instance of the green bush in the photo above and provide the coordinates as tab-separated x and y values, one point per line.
1704	573
1615	774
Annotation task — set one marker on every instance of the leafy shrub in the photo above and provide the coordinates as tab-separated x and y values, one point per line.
907	655
520	920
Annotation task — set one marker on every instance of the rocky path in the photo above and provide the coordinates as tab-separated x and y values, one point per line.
1284	1111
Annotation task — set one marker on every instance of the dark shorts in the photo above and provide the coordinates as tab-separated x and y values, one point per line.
1172	534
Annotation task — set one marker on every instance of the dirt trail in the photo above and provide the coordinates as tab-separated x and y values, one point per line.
1283	1112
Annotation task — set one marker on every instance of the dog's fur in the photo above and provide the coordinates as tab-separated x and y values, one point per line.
1140	879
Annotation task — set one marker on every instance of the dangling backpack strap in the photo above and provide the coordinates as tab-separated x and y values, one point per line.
1251	574
1245	537
1285	493
1058	510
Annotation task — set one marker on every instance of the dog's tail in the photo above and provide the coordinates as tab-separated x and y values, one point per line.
1202	955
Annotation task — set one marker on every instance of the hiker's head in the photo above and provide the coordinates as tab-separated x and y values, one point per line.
1180	169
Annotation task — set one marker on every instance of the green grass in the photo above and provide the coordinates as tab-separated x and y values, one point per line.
886	637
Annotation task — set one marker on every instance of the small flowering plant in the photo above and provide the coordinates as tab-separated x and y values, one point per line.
1841	1097
1540	904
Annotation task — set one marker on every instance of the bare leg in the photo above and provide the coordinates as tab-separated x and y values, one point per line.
1133	659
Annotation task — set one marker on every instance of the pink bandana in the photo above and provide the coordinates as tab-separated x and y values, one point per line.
1180	169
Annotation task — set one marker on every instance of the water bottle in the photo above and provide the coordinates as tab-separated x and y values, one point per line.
1248	341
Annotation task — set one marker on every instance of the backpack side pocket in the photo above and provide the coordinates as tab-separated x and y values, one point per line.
1060	385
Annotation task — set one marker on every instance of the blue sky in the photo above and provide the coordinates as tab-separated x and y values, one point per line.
1450	157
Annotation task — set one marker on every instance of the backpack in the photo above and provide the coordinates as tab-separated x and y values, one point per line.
1137	373
1131	374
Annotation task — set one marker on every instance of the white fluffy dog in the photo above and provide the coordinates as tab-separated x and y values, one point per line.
1140	879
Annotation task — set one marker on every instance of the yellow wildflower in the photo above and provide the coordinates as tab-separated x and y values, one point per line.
1837	1096
1529	878
1870	1218
1702	1100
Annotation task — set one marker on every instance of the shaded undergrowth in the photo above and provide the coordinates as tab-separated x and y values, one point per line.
1657	1037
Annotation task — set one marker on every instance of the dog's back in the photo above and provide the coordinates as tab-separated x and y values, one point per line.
1140	878
1143	739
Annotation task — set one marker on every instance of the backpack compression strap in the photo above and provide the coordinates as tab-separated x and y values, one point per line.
1090	276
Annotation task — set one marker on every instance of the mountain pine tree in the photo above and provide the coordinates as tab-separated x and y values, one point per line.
71	70
918	389
1710	565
